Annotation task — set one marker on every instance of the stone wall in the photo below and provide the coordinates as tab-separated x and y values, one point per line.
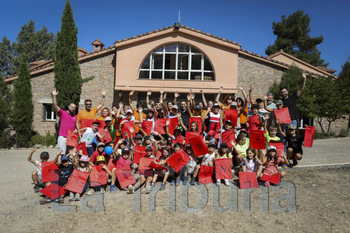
260	75
42	86
336	126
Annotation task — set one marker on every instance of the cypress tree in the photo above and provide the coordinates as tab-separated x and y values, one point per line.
68	79
5	114
23	105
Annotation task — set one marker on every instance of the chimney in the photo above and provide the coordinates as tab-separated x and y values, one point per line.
98	45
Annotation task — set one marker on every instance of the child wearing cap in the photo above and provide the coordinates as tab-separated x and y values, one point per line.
213	115
65	170
177	137
82	164
36	175
99	152
223	153
240	149
271	162
294	144
90	134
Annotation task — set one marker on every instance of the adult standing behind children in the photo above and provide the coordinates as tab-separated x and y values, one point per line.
291	101
67	121
89	113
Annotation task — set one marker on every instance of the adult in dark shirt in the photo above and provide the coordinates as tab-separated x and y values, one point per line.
291	101
184	113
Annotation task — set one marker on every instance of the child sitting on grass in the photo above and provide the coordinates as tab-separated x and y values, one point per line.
36	175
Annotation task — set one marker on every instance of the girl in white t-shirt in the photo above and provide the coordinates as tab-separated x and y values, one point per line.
251	163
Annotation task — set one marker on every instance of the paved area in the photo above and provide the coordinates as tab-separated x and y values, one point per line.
322	198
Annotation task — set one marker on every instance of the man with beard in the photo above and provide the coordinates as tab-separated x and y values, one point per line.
68	121
291	101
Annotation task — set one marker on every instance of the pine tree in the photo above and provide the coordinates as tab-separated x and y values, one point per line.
68	79
37	45
23	106
294	38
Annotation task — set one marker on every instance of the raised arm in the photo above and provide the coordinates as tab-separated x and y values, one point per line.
189	105
30	156
55	160
265	104
245	103
280	128
176	95
147	100
130	101
204	99
103	93
54	100
217	100
251	93
302	85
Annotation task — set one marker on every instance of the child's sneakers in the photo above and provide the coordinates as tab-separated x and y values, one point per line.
193	181
162	186
77	197
36	188
227	182
146	190
102	191
184	182
218	182
130	189
71	196
172	183
112	188
267	184
152	186
90	192
177	181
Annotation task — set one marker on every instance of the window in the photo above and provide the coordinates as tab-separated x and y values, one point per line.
177	62
49	114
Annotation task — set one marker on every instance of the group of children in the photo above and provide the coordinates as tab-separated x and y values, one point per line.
161	131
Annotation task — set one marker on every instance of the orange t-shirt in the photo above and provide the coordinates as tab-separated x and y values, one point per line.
83	114
243	116
137	118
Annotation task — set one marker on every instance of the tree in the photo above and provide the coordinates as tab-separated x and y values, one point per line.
343	82
292	79
293	37
6	58
5	114
23	105
37	45
320	100
68	79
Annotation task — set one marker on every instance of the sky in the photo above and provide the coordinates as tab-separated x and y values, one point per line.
248	22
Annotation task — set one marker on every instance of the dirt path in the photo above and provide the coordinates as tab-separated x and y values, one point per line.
322	198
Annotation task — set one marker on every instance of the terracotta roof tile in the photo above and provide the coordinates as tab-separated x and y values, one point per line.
182	26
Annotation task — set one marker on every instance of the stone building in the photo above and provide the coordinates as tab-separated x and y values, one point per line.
174	59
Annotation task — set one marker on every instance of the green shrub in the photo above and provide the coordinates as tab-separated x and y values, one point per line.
321	135
50	139
6	141
343	133
37	139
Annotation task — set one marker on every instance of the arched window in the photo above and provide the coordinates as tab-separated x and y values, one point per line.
177	62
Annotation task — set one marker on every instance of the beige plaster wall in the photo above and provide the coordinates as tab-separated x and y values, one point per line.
224	60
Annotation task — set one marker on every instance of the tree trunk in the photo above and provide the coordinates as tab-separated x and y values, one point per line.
319	121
